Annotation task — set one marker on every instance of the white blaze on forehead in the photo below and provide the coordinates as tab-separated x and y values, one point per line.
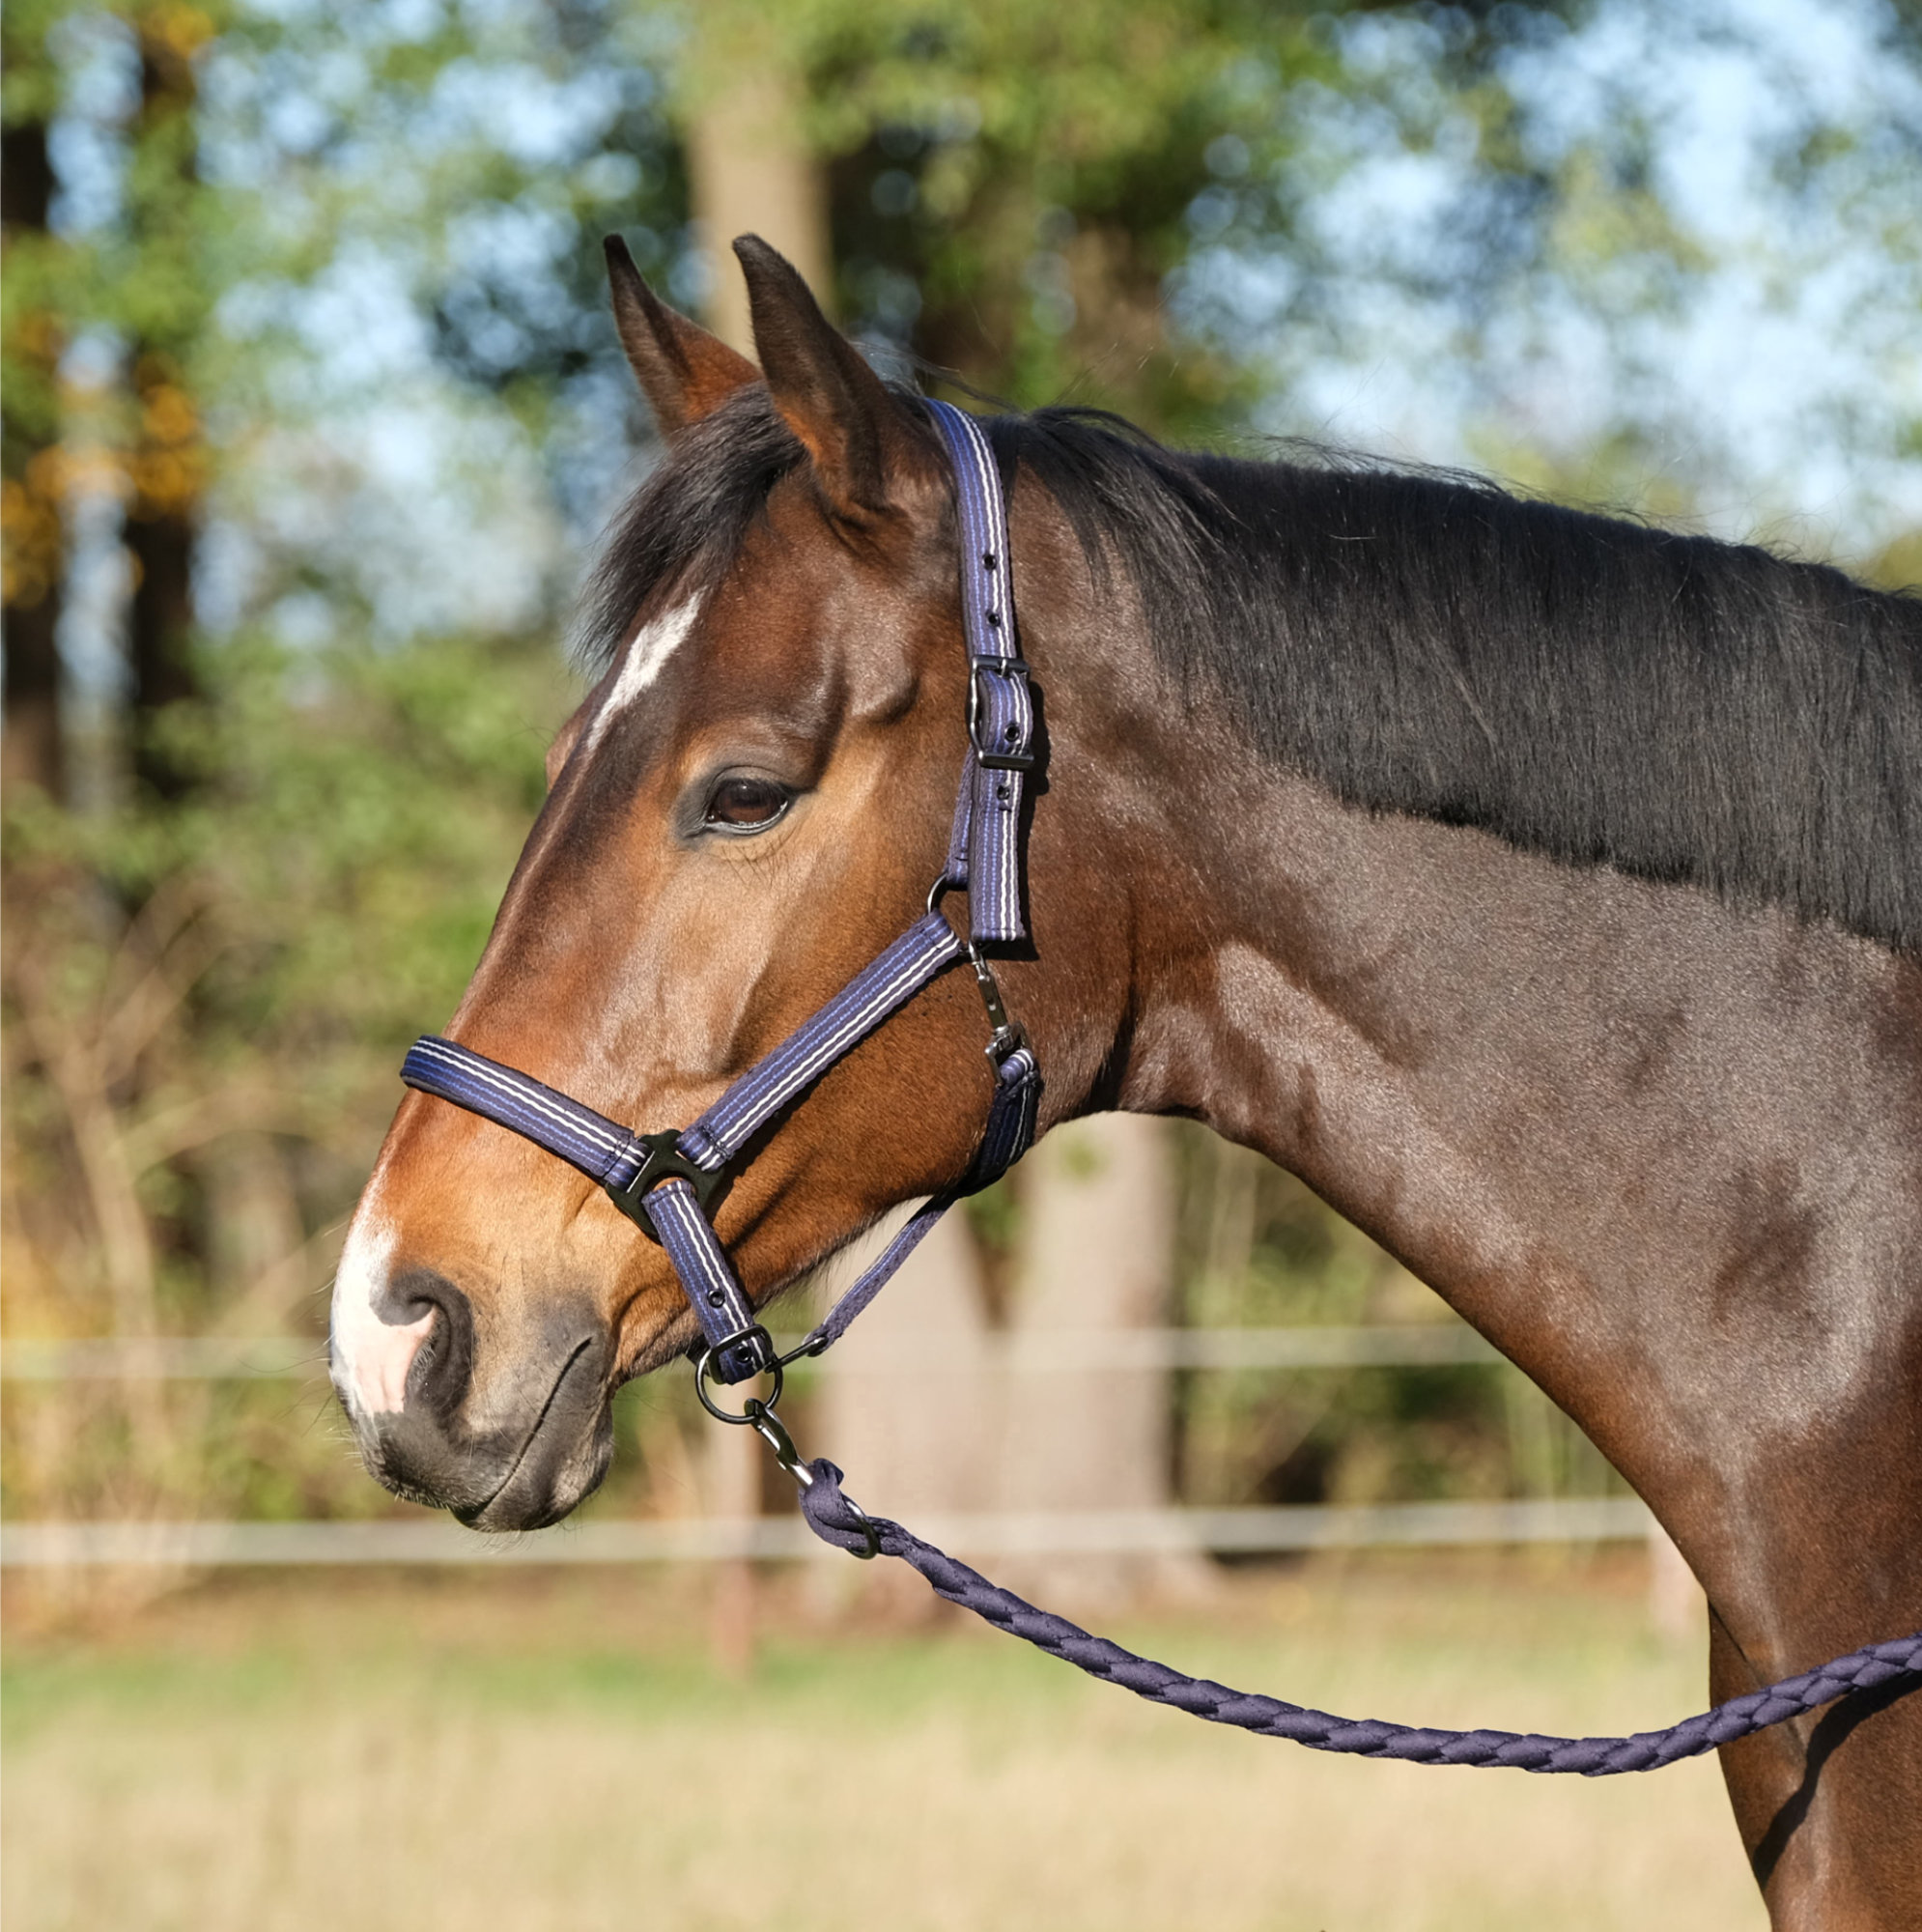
647	651
371	1357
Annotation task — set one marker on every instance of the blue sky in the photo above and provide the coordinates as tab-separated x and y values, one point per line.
1766	391
1772	387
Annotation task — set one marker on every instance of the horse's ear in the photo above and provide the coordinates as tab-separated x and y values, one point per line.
682	370
862	443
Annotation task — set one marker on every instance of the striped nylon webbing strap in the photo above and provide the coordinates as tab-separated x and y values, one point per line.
1000	707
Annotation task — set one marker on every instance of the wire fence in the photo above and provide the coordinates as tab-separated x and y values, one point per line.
1054	1533
203	1358
718	1539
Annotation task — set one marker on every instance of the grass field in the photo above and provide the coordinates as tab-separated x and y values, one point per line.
534	1750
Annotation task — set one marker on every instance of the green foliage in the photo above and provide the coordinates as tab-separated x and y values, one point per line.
248	963
318	232
1010	183
351	898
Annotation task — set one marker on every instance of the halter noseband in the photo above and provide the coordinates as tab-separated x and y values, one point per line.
664	1181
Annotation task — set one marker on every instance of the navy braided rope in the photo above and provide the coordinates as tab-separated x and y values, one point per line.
833	1520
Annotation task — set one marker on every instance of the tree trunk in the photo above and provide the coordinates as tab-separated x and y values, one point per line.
167	462
1096	1260
160	641
35	545
914	1430
751	173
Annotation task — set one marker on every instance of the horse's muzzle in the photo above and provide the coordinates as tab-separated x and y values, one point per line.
502	1454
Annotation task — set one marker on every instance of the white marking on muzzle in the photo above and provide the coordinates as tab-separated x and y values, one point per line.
647	652
371	1357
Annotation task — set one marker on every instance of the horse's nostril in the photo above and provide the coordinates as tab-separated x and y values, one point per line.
444	1365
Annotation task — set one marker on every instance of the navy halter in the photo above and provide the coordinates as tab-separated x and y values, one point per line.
664	1181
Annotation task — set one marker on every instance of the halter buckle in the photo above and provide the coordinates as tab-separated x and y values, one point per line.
1018	754
664	1161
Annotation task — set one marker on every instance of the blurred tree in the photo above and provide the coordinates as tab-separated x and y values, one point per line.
1620	251
166	295
32	512
1006	186
209	976
297	913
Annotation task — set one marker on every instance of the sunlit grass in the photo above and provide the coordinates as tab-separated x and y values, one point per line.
532	1751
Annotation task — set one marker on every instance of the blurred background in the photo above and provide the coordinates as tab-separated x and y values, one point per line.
312	414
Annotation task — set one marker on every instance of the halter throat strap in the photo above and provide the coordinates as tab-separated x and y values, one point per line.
665	1181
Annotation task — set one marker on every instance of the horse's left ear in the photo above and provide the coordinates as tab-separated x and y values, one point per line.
682	370
863	446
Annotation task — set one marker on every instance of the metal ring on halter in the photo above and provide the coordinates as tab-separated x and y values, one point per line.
749	1417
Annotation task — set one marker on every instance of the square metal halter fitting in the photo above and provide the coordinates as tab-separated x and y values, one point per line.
665	1161
1011	751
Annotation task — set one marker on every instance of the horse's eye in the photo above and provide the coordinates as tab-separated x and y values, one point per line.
745	805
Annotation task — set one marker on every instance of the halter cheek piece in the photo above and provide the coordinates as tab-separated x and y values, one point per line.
664	1181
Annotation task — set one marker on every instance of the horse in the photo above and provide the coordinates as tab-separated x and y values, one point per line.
1541	887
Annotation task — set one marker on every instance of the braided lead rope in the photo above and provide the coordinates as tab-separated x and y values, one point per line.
836	1520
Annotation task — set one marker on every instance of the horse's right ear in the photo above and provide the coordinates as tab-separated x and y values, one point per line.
682	370
861	447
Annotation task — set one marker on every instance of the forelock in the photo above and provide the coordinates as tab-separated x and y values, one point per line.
683	528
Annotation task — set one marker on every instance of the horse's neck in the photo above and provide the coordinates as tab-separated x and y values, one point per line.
1660	1151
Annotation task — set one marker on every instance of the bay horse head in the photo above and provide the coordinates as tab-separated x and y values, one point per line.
746	807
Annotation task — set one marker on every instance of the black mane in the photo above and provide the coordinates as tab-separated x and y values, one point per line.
1609	694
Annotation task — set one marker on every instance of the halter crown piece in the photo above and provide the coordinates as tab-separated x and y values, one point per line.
664	1181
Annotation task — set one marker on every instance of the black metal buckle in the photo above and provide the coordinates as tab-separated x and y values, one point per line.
665	1162
988	756
757	1344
